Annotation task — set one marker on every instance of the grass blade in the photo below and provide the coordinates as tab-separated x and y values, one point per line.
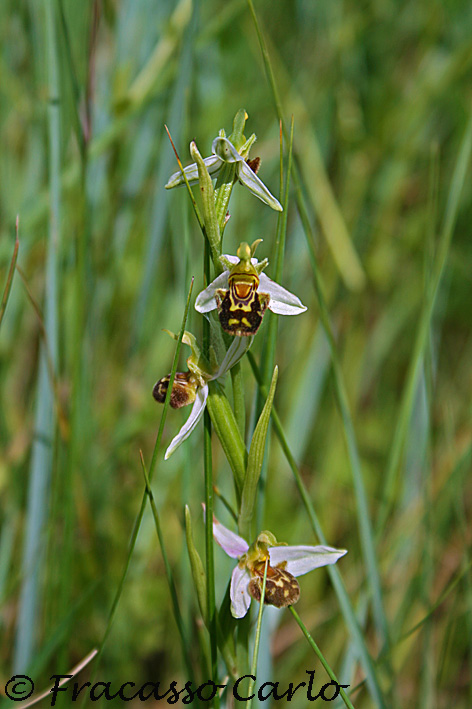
45	423
9	281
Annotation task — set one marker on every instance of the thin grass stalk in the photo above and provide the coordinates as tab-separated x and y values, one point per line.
321	658
333	225
169	576
139	518
363	514
11	271
335	576
80	284
427	681
66	45
45	419
423	330
161	201
268	352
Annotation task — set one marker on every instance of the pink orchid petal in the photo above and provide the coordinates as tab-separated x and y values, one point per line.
240	598
234	545
302	559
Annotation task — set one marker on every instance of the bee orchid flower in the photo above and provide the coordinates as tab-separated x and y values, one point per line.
191	387
285	563
224	152
242	293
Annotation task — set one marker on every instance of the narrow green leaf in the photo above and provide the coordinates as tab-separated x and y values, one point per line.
227	430
212	229
334	573
254	463
11	271
196	564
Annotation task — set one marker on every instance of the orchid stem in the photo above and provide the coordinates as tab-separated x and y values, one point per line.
257	639
207	461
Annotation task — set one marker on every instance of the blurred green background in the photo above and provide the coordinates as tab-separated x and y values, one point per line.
381	97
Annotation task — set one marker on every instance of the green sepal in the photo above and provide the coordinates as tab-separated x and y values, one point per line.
226	177
237	136
197	362
226	427
196	565
212	229
254	464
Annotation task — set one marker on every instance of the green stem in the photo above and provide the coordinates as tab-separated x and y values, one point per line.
257	639
238	398
227	431
321	658
207	461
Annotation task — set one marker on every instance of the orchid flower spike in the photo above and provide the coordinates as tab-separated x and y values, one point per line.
191	387
224	152
242	293
285	563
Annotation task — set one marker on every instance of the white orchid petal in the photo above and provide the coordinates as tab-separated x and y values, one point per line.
205	300
234	545
282	301
249	178
225	150
213	165
195	415
236	350
240	598
302	559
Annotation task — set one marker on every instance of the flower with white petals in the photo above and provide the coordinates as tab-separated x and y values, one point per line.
242	293
192	386
223	153
284	564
